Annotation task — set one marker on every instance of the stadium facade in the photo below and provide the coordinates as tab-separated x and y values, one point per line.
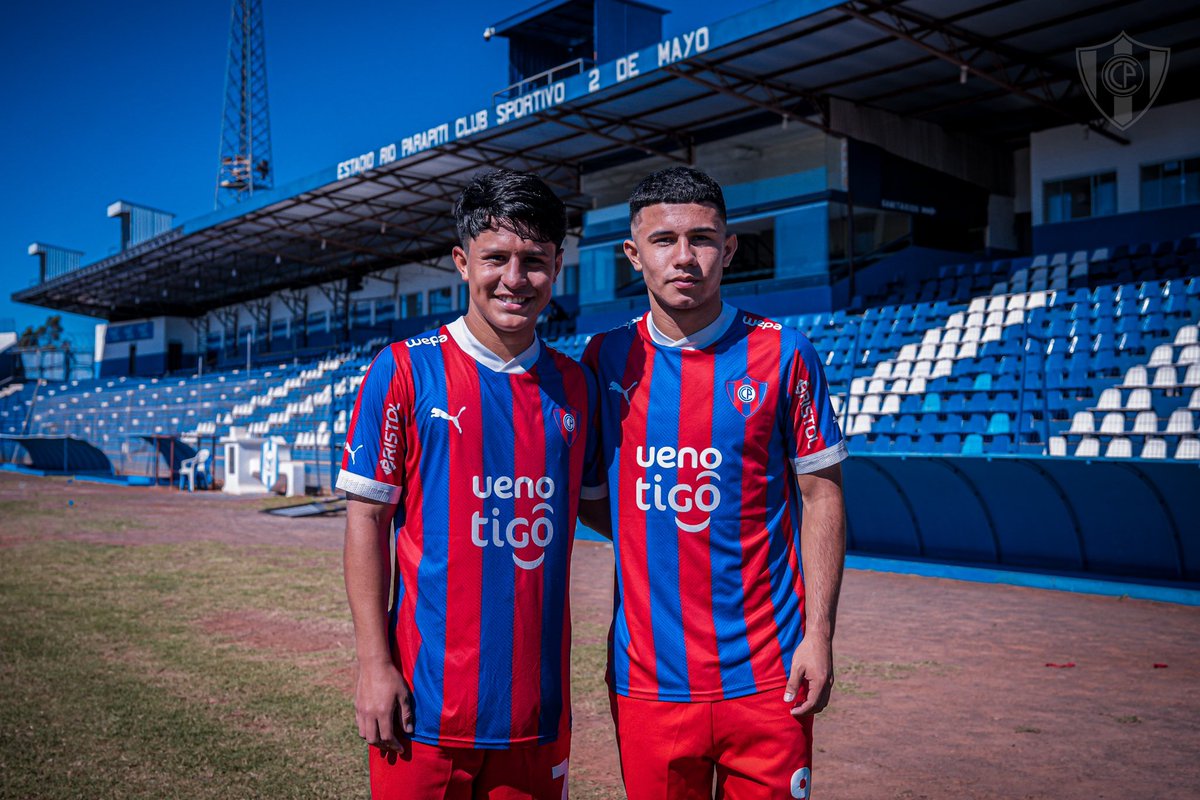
980	240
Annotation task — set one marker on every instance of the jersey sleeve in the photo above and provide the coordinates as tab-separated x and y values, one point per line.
595	481
376	440
814	436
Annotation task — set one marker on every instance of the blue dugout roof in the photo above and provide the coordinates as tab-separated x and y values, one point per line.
786	60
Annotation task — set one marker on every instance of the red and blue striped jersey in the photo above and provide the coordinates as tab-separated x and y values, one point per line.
700	442
484	459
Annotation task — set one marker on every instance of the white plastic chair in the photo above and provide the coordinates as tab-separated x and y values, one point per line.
195	469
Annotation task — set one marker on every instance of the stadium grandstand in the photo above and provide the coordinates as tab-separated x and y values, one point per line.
1002	276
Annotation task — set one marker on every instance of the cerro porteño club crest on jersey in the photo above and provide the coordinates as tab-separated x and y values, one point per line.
568	424
746	394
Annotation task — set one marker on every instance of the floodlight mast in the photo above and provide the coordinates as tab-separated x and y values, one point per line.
244	160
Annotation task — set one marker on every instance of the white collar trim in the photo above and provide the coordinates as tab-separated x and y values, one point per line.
699	340
475	349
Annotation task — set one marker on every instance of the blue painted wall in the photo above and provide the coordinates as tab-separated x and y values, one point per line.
1137	227
1131	519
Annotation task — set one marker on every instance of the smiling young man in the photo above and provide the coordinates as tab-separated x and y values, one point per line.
722	458
471	437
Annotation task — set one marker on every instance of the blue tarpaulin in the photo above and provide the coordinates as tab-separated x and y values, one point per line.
64	454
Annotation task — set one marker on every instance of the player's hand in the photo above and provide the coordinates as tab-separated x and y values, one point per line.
812	670
383	706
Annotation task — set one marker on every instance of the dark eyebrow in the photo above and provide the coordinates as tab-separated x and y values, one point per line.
691	232
536	250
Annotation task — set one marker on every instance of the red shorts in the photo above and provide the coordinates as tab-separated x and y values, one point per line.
535	772
752	746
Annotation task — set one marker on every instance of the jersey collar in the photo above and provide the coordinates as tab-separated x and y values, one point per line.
699	340
470	345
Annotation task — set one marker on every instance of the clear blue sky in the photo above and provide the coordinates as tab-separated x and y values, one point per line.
108	101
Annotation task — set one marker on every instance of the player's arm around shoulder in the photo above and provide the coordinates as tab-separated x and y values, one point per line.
823	553
594	509
381	697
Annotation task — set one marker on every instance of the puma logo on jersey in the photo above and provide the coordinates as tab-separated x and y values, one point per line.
351	451
437	413
613	386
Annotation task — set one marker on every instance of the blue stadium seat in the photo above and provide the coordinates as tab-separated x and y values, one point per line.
999	424
973	446
1000	445
976	423
951	443
926	443
932	404
911	404
906	424
979	403
983	382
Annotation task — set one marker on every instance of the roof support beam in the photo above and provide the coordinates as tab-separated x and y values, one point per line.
916	28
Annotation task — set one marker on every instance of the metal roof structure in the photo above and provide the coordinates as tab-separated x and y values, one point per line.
995	69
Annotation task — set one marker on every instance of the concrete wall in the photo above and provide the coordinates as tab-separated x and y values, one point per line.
1073	151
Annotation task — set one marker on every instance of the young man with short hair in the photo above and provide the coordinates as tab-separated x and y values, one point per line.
472	438
724	486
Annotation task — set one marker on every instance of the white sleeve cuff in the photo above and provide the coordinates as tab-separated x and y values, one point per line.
367	487
821	459
594	492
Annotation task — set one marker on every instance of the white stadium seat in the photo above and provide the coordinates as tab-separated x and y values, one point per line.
1188	450
883	370
902	369
1058	446
1113	423
1088	447
1192	378
1017	302
1139	400
1110	400
1119	448
870	404
1164	378
1188	334
1180	422
1146	423
1194	402
891	404
956	320
1189	354
1083	422
952	336
1136	376
1100	254
1154	448
1163	354
932	336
